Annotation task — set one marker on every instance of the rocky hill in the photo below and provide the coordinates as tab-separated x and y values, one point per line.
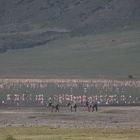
29	23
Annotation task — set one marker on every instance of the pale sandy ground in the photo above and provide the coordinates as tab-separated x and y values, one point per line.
106	117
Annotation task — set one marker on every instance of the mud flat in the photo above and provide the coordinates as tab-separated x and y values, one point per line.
106	117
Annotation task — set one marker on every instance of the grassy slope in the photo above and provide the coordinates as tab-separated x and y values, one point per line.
30	23
109	55
43	133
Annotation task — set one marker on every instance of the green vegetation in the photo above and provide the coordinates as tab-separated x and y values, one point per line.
110	55
45	133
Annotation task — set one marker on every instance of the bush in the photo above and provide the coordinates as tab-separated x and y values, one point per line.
130	76
9	137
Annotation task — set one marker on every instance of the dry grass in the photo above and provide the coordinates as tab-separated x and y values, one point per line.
45	133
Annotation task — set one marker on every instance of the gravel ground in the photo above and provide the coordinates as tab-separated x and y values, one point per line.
106	117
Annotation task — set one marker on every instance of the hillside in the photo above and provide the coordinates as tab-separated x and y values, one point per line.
114	55
29	23
74	38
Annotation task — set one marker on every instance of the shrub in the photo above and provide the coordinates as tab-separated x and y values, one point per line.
9	137
130	76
